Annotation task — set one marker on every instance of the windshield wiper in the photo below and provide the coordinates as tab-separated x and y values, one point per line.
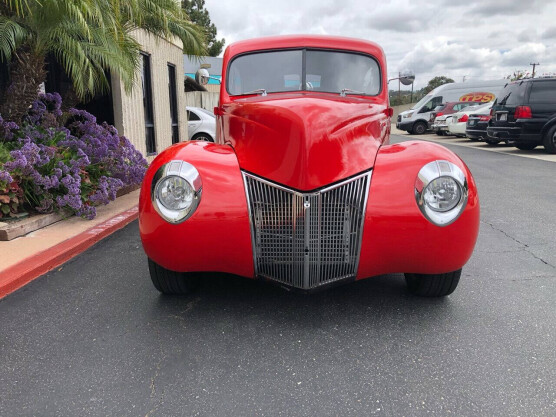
350	91
260	91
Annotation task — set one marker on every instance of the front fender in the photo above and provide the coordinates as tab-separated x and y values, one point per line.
217	236
396	236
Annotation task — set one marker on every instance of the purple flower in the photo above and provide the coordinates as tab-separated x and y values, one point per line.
74	167
5	177
8	130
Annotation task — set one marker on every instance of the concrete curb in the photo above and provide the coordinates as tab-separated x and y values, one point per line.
20	274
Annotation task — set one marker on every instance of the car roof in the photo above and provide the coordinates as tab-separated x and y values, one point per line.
305	41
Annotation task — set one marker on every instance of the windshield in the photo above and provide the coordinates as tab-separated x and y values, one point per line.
421	102
303	69
512	94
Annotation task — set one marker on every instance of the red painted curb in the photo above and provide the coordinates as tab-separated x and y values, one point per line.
20	274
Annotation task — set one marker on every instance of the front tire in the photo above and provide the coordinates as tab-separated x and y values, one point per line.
419	128
171	282
433	285
492	142
549	141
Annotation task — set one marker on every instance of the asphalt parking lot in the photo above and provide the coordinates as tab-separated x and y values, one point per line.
94	338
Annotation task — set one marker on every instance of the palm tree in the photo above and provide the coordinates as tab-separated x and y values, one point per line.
86	37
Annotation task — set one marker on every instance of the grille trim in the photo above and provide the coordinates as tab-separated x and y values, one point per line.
286	250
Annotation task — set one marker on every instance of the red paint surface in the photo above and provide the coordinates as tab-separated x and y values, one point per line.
217	236
20	274
304	140
397	237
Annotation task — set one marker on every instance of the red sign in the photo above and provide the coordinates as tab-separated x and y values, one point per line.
478	97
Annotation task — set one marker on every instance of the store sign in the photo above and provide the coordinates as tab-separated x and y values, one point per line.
478	97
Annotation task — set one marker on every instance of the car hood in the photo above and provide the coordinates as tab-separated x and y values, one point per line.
305	141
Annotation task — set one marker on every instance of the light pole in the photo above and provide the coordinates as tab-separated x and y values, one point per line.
407	77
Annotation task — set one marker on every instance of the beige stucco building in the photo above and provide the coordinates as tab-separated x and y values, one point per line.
153	115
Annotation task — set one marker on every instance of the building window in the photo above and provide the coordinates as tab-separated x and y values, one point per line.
148	103
173	103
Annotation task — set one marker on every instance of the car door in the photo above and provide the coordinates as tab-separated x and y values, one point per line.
542	101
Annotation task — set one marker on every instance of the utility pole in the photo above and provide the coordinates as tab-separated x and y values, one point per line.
399	88
463	80
534	65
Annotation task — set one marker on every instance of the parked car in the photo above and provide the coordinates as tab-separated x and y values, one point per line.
440	123
458	123
302	186
201	124
525	115
476	126
416	119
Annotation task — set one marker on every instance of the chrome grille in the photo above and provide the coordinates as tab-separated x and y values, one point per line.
306	239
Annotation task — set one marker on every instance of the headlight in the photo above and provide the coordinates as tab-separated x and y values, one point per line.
176	191
408	115
441	192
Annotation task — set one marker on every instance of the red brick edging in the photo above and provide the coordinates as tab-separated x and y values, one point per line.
20	274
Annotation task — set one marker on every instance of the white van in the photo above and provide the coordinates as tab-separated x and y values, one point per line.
416	119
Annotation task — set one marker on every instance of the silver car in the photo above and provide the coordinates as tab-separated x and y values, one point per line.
201	124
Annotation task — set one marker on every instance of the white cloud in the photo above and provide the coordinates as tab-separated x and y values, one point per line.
472	38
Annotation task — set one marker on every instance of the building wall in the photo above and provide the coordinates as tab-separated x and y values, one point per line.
128	108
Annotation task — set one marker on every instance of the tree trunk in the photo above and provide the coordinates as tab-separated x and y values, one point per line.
27	72
70	99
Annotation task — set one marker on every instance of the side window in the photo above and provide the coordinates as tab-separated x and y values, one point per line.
427	107
436	101
191	116
457	107
543	92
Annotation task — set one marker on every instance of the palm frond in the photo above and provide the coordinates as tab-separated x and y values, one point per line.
18	7
11	36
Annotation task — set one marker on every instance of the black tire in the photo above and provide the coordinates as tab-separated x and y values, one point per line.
434	285
526	146
439	133
205	137
473	139
171	282
419	128
492	142
549	141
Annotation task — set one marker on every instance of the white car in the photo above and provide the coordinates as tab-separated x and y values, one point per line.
458	123
201	124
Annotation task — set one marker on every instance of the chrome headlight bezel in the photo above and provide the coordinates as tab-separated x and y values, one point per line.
430	172
185	171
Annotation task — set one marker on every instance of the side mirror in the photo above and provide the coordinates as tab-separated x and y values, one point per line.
202	76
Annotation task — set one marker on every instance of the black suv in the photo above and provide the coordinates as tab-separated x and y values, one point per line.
525	115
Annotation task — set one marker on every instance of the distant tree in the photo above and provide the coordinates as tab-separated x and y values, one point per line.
518	75
196	11
437	82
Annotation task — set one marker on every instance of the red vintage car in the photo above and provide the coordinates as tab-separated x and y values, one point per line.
301	186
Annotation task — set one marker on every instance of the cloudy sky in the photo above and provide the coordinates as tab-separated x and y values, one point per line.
475	39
